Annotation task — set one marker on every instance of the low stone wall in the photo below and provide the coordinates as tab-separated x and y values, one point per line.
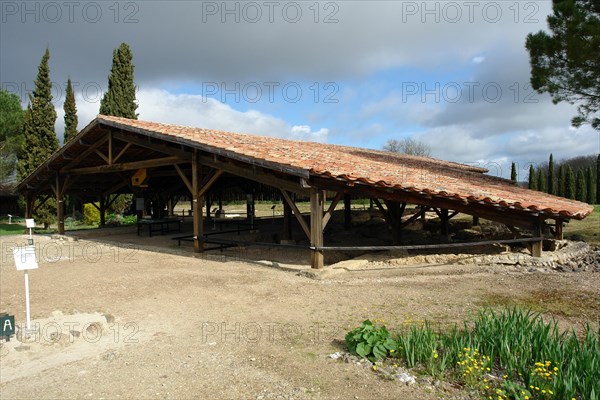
568	256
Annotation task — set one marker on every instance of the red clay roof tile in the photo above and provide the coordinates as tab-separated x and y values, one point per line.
372	167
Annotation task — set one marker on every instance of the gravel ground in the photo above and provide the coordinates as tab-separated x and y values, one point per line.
124	323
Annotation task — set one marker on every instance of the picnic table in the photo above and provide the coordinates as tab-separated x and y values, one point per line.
162	225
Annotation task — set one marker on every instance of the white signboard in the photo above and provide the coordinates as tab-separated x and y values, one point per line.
30	223
25	258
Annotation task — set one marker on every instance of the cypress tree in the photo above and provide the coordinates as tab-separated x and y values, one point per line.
598	180
532	178
513	173
119	100
580	193
70	113
591	196
570	184
551	178
541	180
560	187
40	141
38	126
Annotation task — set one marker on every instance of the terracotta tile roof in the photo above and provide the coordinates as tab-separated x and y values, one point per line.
371	167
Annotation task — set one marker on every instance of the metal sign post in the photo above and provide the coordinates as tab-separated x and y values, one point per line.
24	261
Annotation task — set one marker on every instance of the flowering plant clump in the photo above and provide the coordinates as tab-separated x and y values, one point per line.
496	357
542	380
472	366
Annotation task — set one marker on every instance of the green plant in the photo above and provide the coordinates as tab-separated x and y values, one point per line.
370	341
91	215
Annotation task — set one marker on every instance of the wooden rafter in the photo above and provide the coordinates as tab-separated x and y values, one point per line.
297	213
184	178
104	169
331	209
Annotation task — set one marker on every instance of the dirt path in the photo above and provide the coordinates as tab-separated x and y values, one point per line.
183	327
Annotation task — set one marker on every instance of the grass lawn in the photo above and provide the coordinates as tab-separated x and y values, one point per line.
11	229
589	228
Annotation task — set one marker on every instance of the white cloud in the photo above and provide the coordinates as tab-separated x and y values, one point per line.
194	110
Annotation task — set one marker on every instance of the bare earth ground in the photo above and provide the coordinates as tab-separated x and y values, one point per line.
185	327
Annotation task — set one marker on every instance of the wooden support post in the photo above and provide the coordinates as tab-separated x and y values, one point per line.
347	212
475	220
287	221
536	247
444	220
102	211
558	234
197	206
317	201
60	205
29	206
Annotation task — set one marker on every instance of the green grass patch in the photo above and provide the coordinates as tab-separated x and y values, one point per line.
507	354
565	303
588	229
11	229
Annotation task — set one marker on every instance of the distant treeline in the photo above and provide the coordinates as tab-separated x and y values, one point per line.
574	178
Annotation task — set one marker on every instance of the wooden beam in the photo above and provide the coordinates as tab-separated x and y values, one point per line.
209	181
116	187
316	228
536	247
106	169
60	210
415	216
146	143
256	174
123	150
297	213
198	219
184	178
520	218
110	147
102	156
558	232
331	209
84	155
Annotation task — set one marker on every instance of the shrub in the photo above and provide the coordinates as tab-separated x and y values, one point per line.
91	215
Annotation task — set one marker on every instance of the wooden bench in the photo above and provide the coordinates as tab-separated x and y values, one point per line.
163	225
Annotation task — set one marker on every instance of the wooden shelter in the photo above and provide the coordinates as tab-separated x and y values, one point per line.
102	159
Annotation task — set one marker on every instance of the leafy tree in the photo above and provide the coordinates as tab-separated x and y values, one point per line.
38	130
11	139
408	146
532	178
541	180
570	184
513	173
70	113
591	195
580	190
551	178
598	180
565	62
561	181
119	100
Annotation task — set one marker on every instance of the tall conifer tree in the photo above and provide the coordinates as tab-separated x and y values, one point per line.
70	113
560	186
591	186
513	173
570	184
40	140
580	192
551	178
532	178
541	180
119	100
38	126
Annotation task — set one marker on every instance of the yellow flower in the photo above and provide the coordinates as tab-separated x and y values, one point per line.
391	351
374	367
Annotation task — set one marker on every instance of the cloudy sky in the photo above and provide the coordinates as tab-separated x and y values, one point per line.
452	74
